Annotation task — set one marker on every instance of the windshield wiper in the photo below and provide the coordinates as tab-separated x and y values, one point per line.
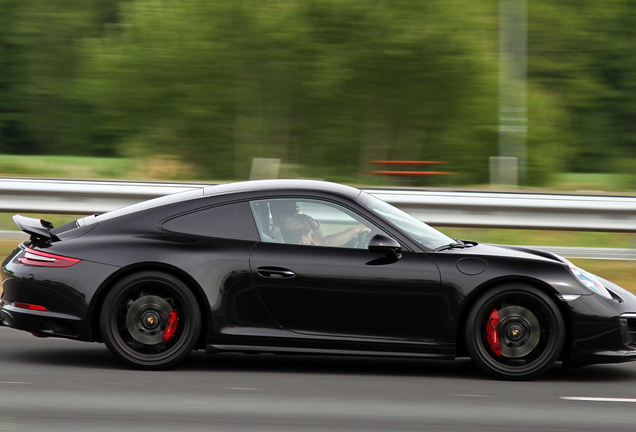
457	244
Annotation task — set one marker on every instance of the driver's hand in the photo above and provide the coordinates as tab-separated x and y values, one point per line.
360	228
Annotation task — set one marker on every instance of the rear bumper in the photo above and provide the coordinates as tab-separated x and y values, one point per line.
60	297
41	323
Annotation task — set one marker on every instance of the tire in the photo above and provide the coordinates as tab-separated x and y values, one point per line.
150	320
529	328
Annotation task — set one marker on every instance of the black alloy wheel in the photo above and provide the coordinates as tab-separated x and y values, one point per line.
515	332
150	320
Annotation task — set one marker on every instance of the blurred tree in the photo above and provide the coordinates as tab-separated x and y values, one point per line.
39	112
324	84
585	52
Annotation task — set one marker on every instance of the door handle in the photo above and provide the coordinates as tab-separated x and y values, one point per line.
275	272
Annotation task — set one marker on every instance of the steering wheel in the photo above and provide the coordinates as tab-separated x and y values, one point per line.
361	241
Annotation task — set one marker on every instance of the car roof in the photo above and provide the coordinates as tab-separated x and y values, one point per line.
285	186
280	185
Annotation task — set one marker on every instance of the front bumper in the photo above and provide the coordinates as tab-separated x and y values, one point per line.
627	327
603	331
604	357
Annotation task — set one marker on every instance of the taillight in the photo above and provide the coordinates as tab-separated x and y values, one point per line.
43	259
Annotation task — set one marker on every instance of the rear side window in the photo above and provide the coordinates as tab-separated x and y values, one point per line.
232	221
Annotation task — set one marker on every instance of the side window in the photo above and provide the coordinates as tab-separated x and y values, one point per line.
311	222
232	221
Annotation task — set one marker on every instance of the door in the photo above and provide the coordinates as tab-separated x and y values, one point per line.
342	289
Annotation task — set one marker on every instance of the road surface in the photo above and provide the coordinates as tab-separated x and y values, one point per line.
58	385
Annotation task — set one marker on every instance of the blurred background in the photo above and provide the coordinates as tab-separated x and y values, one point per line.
196	90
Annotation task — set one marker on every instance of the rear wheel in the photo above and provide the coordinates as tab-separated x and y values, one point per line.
515	332
150	320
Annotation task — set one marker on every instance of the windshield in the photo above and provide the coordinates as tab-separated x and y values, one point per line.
414	228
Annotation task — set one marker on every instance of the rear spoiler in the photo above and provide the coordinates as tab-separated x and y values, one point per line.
38	229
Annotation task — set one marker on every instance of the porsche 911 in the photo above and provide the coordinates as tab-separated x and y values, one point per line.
306	267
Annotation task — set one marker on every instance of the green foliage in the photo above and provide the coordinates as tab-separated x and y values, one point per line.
68	166
548	140
38	65
204	86
325	84
586	53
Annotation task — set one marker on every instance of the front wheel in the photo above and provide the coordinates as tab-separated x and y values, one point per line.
150	320
515	332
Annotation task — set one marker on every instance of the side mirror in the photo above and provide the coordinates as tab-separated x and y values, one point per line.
386	245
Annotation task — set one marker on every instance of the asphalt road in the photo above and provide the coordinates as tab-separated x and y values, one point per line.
58	385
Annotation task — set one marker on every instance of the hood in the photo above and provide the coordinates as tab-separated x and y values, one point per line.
512	252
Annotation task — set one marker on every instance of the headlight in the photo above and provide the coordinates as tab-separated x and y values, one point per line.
589	281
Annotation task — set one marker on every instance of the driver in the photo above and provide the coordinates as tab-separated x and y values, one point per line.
297	229
283	209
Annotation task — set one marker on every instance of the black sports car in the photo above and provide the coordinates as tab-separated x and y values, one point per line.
300	266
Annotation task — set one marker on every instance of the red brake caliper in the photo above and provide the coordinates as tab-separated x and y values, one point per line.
492	330
171	327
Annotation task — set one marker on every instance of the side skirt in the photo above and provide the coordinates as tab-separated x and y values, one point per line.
211	348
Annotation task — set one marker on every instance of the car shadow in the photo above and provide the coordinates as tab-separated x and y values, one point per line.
591	374
91	357
344	365
462	368
97	356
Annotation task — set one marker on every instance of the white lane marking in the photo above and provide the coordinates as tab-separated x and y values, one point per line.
13	382
240	388
471	395
597	399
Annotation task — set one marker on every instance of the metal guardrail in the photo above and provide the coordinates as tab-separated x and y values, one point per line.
439	208
77	196
517	210
590	253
